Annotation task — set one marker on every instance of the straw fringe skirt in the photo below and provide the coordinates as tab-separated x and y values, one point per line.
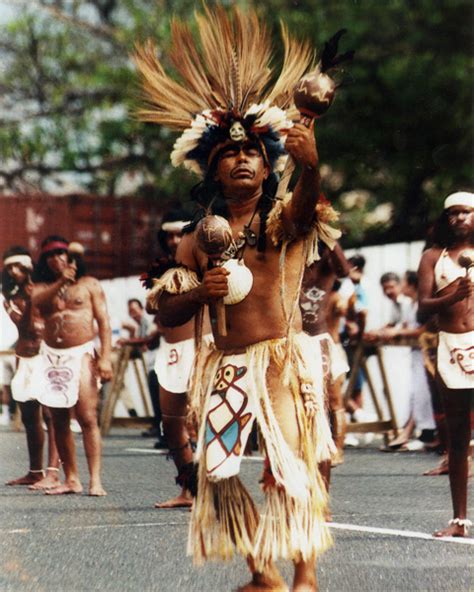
224	517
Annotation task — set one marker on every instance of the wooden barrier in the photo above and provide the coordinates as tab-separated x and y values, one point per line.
124	358
362	351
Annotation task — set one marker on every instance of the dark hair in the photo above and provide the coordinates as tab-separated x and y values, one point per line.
174	215
358	261
9	286
411	278
136	301
390	276
443	234
42	272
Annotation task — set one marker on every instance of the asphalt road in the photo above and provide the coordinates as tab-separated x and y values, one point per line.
382	509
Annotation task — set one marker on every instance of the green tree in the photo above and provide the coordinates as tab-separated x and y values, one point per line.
395	142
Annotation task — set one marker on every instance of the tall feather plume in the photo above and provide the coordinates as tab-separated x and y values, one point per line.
227	67
299	57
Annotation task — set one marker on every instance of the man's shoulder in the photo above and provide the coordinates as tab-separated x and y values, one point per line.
89	282
431	255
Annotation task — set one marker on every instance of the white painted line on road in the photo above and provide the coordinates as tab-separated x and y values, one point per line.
94	527
162	452
352	527
410	534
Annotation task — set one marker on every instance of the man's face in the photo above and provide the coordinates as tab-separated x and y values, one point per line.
135	311
57	261
172	241
391	289
241	168
17	272
461	220
355	274
408	289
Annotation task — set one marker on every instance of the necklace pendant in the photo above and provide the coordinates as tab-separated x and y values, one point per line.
250	236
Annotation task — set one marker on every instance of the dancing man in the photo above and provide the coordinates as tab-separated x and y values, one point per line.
445	288
17	287
262	367
322	309
70	303
173	364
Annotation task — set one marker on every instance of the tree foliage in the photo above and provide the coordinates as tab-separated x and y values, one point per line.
396	141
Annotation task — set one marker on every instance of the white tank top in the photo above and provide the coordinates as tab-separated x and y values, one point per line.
446	271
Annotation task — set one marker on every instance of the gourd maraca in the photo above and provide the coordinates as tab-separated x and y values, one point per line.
214	236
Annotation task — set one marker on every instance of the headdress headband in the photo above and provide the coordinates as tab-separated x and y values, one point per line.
224	89
23	260
54	246
460	198
176	226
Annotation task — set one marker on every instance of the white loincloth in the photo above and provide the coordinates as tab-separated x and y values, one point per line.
455	359
25	383
173	365
61	374
330	356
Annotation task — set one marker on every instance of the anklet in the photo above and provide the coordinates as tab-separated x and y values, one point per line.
461	522
464	522
52	469
36	471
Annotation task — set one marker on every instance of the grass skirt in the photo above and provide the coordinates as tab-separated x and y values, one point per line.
224	517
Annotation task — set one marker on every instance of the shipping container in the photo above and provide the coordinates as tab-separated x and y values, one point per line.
119	234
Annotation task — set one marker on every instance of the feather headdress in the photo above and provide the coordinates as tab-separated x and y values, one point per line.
223	89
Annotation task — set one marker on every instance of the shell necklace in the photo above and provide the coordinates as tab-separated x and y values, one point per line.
240	278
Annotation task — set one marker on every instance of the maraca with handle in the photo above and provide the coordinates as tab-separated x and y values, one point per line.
314	94
214	236
466	260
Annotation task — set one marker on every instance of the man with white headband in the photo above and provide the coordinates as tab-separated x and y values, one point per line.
16	288
446	288
71	303
173	364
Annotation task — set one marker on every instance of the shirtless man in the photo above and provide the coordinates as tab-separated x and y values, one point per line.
17	287
70	302
173	364
256	326
446	288
322	309
261	366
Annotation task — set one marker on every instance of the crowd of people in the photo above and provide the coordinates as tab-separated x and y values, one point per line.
258	313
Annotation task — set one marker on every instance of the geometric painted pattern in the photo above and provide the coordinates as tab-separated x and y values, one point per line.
228	416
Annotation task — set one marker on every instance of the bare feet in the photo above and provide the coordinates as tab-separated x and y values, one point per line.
65	489
49	482
453	530
28	479
264	582
305	587
181	501
441	469
97	490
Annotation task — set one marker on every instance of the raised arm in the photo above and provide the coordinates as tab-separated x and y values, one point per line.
298	216
99	308
339	262
42	294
